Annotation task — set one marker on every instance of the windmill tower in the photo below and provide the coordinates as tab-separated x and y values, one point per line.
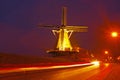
64	32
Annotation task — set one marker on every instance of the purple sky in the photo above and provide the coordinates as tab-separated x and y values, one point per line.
19	19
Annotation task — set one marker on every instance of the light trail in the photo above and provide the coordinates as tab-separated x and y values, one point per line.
54	67
2	71
96	62
83	73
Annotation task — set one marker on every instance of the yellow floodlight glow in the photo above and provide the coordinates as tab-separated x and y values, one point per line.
63	40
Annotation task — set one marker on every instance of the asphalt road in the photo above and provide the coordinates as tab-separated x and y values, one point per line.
95	72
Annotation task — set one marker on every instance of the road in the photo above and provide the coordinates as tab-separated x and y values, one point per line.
94	72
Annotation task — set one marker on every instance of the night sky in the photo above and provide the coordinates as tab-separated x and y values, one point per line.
20	34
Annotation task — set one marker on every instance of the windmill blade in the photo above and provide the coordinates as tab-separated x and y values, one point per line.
49	26
77	28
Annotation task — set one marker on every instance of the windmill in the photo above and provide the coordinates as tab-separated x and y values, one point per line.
64	33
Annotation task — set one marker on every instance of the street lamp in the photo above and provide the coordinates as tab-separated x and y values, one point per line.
114	34
106	52
106	55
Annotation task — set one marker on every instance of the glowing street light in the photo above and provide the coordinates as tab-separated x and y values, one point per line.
106	52
114	34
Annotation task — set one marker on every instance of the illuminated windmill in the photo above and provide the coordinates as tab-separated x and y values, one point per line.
64	33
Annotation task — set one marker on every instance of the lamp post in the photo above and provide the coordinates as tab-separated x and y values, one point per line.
115	36
106	54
